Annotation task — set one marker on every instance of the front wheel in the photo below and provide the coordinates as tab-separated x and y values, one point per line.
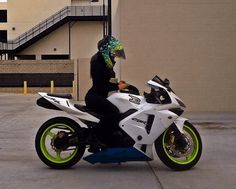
176	157
53	154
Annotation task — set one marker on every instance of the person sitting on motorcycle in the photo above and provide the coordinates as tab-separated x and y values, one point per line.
101	70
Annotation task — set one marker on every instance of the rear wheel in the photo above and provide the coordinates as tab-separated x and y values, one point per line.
179	157
54	152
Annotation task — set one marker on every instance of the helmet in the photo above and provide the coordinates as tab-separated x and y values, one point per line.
110	47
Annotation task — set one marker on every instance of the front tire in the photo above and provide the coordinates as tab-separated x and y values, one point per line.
179	160
51	156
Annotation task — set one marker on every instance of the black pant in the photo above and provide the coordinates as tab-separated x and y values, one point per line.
103	107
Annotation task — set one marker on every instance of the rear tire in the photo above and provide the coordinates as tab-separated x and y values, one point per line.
52	157
184	161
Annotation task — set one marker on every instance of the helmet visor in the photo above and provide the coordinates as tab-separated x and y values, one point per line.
120	54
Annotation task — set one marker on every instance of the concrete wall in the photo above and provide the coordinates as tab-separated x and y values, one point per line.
42	66
82	80
80	68
191	42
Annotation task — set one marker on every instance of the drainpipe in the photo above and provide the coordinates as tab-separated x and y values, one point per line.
104	19
109	18
70	40
107	25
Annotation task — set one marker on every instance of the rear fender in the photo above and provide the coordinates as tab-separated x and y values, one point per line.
42	102
68	106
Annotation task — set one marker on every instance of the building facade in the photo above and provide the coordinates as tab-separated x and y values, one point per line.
3	22
66	28
191	42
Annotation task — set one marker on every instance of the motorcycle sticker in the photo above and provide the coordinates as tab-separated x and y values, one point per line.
134	99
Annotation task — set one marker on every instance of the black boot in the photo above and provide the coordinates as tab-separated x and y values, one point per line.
95	144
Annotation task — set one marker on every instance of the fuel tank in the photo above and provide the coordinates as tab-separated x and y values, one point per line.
125	101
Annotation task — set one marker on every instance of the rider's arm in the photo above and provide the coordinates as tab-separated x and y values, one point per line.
101	77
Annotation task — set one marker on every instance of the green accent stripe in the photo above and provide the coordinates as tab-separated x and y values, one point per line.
191	156
48	133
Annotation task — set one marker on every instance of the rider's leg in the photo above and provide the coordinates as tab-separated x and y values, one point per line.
110	112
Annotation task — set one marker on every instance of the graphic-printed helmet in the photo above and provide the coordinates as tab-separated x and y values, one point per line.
110	46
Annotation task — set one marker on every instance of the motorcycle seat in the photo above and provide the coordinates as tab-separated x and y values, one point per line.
68	96
88	110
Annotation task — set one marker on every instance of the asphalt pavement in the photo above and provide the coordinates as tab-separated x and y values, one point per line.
20	167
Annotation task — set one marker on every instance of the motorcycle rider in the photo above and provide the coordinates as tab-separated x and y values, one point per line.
101	70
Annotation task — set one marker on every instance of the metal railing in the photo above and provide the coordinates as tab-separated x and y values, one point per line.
69	11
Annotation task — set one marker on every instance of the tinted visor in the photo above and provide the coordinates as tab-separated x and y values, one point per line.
120	54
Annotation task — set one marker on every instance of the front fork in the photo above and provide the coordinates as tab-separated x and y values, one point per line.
177	134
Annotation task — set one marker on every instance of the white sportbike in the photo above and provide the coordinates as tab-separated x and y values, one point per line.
145	121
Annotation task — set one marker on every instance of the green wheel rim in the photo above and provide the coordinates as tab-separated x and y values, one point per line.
191	157
55	158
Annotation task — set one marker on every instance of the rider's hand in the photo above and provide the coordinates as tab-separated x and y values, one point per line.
122	85
122	82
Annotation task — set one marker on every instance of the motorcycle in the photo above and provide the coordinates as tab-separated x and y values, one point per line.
146	121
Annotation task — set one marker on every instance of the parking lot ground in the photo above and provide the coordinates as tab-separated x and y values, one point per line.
20	167
217	166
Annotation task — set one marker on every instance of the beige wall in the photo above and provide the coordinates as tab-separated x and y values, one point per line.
84	37
82	77
3	5
192	42
24	14
56	42
116	31
3	26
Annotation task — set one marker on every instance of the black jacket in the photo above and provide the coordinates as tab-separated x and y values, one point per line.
101	76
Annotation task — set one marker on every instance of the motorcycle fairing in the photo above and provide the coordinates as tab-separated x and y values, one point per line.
69	107
143	131
125	102
179	122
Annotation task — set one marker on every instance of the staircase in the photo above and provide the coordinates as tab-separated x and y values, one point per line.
67	14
